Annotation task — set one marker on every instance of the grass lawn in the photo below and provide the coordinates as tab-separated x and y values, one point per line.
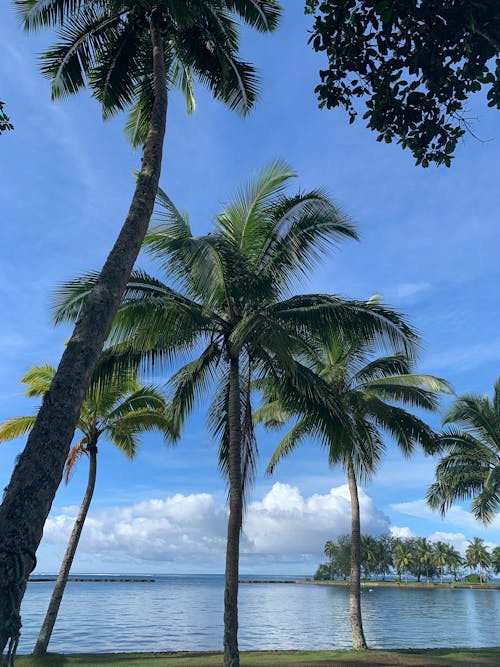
446	657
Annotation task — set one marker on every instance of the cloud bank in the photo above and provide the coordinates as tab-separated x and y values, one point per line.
284	526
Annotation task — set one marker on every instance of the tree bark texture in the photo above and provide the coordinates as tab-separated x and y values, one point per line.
36	477
55	601
358	637
231	653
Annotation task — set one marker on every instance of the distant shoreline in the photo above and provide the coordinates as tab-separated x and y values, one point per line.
90	579
379	584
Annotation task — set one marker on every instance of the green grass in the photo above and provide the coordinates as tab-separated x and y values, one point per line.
415	658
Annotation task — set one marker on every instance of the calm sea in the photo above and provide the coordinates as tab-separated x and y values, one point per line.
184	612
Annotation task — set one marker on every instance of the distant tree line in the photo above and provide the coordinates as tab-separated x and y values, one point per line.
417	557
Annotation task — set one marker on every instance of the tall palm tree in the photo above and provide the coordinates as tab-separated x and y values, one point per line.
453	561
129	52
424	557
478	557
233	306
367	389
330	550
440	554
470	464
402	557
118	409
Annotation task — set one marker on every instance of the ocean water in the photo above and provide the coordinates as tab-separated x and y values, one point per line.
184	612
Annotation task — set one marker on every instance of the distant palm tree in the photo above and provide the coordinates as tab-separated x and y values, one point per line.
403	557
453	561
119	409
424	555
234	308
367	388
330	551
478	557
440	557
369	556
470	465
495	560
129	53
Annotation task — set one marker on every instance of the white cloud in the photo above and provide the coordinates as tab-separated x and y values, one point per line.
455	516
287	524
457	540
402	531
284	526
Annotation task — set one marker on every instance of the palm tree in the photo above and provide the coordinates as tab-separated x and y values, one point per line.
440	555
119	409
402	557
368	557
478	557
366	388
424	557
233	306
470	466
330	550
495	560
453	561
129	52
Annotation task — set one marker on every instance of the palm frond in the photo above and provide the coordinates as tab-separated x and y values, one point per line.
75	453
208	48
292	438
262	15
243	219
16	427
320	312
69	298
83	35
38	380
36	14
144	398
191	382
298	232
381	367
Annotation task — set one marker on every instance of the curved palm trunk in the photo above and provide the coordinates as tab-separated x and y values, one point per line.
37	475
358	637
55	601
231	653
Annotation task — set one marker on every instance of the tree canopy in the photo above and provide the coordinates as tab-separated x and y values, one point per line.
414	62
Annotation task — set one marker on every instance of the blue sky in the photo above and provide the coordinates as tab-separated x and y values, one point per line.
429	246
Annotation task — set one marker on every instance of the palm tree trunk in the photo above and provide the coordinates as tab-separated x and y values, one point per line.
231	653
358	637
28	498
55	601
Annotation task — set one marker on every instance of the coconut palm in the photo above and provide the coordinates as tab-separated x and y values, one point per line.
330	551
424	555
369	555
440	555
129	53
118	409
478	557
453	561
495	560
402	557
367	388
470	465
233	306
